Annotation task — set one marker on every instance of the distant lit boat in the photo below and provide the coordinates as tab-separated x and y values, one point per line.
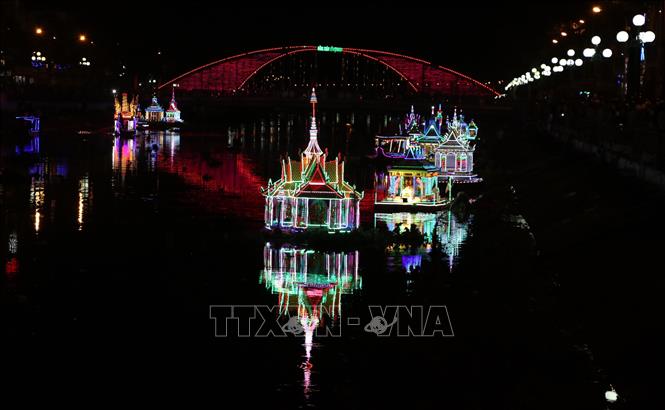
454	155
127	115
411	183
159	119
394	147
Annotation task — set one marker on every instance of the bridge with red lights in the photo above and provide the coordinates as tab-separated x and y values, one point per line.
232	74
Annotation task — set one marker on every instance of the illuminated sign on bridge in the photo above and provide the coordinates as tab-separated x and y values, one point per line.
330	49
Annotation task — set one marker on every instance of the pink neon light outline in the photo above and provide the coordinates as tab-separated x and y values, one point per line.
352	51
223	60
270	62
288	50
493	91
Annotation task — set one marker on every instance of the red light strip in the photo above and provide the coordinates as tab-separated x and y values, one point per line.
273	59
367	53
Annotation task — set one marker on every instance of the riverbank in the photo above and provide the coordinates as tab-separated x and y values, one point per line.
596	231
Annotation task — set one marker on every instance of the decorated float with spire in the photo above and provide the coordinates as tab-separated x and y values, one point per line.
431	137
447	143
154	113
127	114
173	113
312	192
158	118
454	155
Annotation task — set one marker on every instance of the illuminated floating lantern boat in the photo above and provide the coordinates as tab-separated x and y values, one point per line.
158	118
395	146
127	115
431	138
409	184
312	192
454	155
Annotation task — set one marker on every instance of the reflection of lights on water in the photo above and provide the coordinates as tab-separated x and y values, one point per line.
309	326
312	281
84	195
611	395
451	233
13	243
37	200
38	217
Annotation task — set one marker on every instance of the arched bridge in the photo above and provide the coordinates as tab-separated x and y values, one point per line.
230	74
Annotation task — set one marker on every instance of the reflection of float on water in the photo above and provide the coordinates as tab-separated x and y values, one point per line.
11	266
451	233
313	283
83	200
309	278
123	158
31	146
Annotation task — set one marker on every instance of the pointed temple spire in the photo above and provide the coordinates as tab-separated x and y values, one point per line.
173	106
313	148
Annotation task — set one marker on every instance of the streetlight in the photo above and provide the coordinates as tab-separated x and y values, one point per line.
607	53
596	9
555	41
571	52
579	62
564	34
595	40
570	61
554	60
647	36
114	91
622	36
589	52
39	31
639	20
82	38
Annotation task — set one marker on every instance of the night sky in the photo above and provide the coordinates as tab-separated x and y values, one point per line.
489	42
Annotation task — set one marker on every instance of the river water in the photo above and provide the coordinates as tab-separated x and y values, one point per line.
114	249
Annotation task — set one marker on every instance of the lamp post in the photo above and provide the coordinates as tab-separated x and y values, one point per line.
634	62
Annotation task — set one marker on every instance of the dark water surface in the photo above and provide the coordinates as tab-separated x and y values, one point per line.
115	248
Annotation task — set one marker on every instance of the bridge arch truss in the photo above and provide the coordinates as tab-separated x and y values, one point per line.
230	74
